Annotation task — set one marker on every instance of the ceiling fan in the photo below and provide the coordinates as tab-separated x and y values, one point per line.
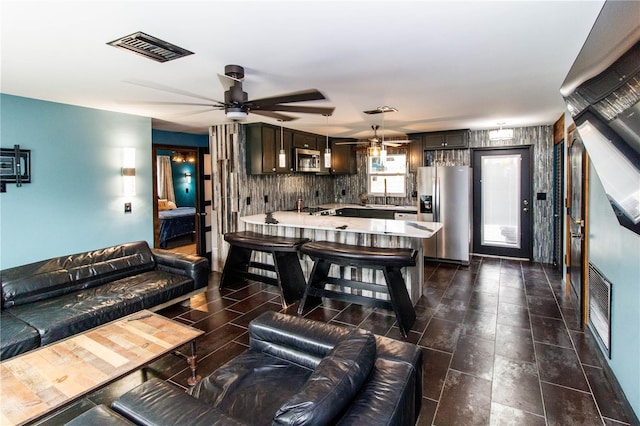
377	141
237	105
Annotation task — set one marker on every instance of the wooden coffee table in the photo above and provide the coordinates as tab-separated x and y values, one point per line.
47	378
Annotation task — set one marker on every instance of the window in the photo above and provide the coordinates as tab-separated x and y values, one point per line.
387	175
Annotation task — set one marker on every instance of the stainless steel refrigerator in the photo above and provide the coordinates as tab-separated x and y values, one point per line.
444	195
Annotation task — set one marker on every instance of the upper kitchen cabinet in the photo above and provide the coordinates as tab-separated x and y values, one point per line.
452	139
263	147
416	152
343	159
304	140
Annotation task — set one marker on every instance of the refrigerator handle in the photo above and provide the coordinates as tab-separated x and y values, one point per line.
436	200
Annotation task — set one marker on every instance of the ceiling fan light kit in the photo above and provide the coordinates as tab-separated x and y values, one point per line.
235	114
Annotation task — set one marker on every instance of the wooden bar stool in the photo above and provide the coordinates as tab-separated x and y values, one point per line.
389	260
286	264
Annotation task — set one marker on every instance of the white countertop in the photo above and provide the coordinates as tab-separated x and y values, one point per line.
370	206
402	228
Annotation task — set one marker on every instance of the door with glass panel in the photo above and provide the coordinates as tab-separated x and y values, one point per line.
204	204
502	205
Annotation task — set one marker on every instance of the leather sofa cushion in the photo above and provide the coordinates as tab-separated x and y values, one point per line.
16	336
66	315
333	384
251	387
67	274
158	403
99	415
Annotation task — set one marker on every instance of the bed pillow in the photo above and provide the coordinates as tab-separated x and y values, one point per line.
163	204
171	205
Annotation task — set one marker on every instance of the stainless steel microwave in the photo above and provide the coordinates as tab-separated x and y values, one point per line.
307	160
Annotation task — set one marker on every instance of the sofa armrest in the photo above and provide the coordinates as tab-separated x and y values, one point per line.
158	403
195	267
294	339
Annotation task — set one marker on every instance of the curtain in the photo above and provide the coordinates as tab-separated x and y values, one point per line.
165	179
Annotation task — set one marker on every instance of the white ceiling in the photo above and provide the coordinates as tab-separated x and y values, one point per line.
442	64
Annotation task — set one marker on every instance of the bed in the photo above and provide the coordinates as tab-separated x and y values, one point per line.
175	223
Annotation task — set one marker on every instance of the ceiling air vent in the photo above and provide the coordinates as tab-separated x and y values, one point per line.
150	47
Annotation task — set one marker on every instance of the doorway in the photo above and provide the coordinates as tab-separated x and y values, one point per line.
502	208
176	172
558	205
576	222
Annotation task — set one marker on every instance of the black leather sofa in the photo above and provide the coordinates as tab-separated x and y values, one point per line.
296	372
46	301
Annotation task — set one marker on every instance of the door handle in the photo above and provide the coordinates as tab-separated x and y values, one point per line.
579	222
526	209
525	202
576	235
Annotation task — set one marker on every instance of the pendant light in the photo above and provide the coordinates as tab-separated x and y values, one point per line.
282	157
327	150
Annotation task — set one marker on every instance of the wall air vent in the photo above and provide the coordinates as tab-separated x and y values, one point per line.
600	307
150	47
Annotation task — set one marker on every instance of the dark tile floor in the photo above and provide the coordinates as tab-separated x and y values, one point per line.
501	341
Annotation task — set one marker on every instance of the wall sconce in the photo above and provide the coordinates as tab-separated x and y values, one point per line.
181	157
129	172
187	176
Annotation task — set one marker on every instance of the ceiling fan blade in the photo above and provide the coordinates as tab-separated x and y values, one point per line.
303	95
298	108
391	140
210	105
189	113
227	82
169	89
381	109
273	114
352	143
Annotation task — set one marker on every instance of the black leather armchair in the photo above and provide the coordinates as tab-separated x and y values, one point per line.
296	371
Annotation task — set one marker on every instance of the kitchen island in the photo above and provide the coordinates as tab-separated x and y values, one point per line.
351	230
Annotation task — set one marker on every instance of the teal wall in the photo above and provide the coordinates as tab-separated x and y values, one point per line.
615	251
162	137
184	191
75	201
